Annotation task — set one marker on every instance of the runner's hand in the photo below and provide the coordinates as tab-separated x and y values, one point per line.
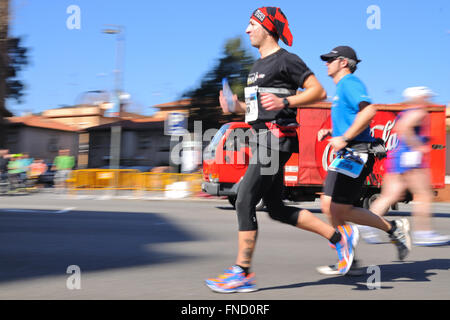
338	143
323	133
271	102
224	104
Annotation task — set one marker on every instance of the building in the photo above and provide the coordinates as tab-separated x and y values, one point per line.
143	144
40	137
179	106
145	141
86	116
81	116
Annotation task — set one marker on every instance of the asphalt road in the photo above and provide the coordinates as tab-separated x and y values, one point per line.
80	247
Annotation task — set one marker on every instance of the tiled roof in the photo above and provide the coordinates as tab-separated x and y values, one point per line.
148	120
135	124
41	122
178	103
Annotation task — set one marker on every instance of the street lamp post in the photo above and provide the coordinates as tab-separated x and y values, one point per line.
116	130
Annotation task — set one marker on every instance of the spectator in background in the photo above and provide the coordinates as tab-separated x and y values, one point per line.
4	160
63	164
14	167
37	168
24	165
408	168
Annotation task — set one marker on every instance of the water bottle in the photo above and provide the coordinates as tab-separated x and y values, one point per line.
228	94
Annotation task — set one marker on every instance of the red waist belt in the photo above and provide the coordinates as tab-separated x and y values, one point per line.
282	131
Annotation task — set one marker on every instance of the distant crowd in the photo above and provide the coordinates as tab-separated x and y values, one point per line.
20	167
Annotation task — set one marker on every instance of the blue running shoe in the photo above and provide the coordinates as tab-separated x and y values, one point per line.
345	247
233	280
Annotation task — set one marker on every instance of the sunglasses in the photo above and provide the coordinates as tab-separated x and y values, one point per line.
331	60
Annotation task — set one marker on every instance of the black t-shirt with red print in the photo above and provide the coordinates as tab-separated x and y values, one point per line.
283	70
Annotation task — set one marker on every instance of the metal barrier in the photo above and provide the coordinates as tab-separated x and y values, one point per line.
129	179
105	179
151	181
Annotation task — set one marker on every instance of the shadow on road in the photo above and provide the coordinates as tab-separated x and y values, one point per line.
394	213
36	244
228	208
416	271
407	213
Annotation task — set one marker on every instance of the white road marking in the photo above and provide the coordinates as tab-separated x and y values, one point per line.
66	210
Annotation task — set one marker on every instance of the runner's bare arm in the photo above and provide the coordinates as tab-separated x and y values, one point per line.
405	128
362	120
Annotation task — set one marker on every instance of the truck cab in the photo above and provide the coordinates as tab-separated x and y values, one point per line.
226	159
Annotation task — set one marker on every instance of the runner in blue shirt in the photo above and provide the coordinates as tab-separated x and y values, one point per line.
351	114
350	93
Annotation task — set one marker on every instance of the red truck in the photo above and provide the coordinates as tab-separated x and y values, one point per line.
226	158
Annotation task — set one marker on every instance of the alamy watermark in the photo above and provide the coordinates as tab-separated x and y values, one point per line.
73	282
73	22
374	281
263	146
374	20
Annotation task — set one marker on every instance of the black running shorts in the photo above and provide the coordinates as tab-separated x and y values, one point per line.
344	189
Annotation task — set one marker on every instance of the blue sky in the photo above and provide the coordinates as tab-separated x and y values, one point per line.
171	44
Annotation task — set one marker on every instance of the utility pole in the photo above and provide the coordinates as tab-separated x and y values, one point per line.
116	130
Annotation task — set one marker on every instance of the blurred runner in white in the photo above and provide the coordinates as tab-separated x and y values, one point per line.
407	168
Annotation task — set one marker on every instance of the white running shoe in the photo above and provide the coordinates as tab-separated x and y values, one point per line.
430	238
401	238
331	270
369	234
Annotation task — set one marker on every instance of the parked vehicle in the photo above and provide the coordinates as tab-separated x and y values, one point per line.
227	156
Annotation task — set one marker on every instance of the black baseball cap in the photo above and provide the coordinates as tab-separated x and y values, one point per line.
341	51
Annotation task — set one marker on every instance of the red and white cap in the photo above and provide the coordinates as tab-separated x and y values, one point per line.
275	22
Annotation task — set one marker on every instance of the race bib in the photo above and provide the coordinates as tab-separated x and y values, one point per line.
251	100
411	159
349	165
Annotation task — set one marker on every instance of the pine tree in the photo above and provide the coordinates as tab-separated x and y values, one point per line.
4	19
12	58
234	65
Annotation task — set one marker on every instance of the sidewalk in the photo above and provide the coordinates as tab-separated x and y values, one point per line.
443	195
133	195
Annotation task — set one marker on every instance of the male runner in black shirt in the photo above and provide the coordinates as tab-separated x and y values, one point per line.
271	102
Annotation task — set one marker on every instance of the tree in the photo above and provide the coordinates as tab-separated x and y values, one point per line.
17	56
4	19
12	57
235	65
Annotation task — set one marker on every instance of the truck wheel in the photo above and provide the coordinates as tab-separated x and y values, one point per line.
260	205
232	201
368	200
